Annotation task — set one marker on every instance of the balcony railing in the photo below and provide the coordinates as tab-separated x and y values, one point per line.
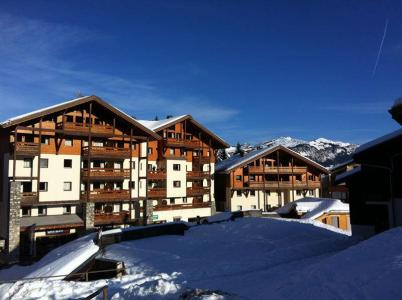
182	206
26	148
81	127
105	173
194	175
201	159
285	184
157	193
274	170
112	218
172	142
106	195
157	175
106	152
29	198
196	191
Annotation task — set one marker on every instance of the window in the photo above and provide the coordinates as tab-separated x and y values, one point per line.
133	164
67	186
27	163
311	192
44	162
298	192
253	207
176	183
134	146
268	193
184	199
68	163
238	192
238	177
42	211
150	167
252	177
67	209
149	150
45	140
239	207
176	167
171	201
43	186
335	221
171	151
26	212
68	142
132	184
252	193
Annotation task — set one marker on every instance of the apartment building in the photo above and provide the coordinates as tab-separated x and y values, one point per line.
181	169
70	167
266	179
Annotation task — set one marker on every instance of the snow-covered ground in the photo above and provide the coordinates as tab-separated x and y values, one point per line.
248	258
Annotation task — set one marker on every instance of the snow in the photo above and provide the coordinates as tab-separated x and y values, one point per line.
378	141
155	125
250	258
312	208
57	263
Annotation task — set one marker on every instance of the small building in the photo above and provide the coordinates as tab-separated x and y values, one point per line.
266	179
375	189
328	211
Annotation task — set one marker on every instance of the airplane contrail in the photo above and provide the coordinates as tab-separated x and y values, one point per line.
380	49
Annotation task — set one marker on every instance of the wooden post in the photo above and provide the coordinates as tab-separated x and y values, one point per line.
39	156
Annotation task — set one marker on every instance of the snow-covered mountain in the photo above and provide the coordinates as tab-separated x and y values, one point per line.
324	151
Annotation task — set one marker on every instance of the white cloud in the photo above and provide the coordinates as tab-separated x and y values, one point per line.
36	62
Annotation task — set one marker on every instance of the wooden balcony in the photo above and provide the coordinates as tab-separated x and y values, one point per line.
275	170
111	218
84	128
106	195
29	198
106	152
25	148
182	206
202	159
197	175
105	174
197	191
182	143
285	184
157	175
157	193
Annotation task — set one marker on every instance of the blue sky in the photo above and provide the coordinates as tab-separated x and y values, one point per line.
249	70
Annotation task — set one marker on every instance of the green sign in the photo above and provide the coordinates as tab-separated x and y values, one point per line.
154	217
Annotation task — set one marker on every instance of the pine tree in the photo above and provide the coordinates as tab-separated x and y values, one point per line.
156	118
239	150
222	154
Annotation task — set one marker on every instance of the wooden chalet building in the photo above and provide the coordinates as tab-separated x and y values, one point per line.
70	167
181	169
266	179
375	186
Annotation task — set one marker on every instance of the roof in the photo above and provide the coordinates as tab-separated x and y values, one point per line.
159	125
236	161
341	177
50	220
71	103
381	140
312	208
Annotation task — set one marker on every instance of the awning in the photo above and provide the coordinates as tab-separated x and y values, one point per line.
55	221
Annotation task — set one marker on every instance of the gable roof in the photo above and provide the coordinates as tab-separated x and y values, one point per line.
71	103
165	123
312	208
378	141
227	165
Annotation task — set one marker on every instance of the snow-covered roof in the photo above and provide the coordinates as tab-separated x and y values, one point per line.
341	177
378	141
155	125
312	208
237	160
41	110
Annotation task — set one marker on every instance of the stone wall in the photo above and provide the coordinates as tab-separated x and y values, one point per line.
13	242
89	215
149	209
